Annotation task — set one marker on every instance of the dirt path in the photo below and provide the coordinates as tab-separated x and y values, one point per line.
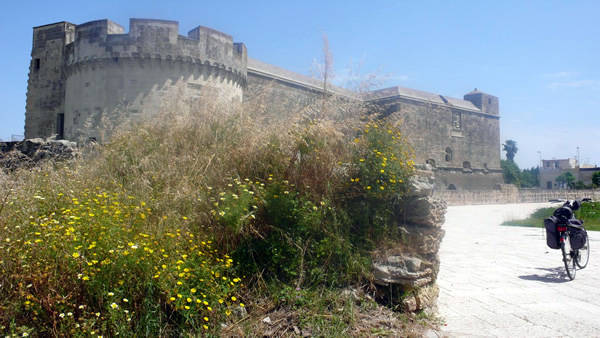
501	281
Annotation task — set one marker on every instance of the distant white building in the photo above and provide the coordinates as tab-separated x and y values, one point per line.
553	168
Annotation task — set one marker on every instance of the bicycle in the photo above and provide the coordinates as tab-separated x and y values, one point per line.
568	234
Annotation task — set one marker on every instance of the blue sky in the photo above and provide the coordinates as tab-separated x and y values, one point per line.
539	57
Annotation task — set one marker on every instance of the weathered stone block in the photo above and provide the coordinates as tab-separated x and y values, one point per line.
426	297
425	240
403	270
420	185
423	211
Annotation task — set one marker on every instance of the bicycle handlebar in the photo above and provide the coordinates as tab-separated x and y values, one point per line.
562	200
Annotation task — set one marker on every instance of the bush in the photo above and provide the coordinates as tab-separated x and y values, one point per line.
153	233
89	262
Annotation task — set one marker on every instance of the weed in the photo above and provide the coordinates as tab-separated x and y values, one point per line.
153	233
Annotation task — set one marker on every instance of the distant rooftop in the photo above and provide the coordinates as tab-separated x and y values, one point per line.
259	67
264	68
421	96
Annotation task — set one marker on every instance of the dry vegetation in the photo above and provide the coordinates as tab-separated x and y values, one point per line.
184	223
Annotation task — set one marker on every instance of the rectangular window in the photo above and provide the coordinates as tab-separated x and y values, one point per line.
36	64
60	126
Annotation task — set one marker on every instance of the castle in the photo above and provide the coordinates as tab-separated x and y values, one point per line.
80	72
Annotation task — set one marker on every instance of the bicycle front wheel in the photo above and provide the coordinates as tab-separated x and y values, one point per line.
568	257
583	254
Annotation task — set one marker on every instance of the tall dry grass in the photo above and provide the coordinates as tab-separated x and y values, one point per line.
292	198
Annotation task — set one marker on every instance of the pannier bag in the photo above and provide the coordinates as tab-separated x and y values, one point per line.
577	235
552	239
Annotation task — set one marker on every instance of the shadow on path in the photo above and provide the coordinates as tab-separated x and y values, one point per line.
554	275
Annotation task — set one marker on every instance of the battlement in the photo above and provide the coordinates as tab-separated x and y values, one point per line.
61	31
156	40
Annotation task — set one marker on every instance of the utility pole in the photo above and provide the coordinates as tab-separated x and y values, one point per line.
540	170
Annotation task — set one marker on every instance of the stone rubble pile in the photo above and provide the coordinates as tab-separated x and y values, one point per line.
412	269
31	152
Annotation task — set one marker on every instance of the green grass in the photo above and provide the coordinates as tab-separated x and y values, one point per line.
589	213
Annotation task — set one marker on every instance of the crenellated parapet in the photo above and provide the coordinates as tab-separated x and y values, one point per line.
154	44
85	79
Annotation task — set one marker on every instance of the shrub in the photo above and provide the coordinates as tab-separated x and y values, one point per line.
152	233
88	262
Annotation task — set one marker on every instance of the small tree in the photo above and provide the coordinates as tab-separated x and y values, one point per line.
511	173
566	180
324	70
530	178
596	179
511	149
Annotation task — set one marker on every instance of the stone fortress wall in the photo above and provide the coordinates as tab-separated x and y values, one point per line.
100	69
82	73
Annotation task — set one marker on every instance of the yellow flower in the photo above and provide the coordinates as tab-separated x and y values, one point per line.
114	306
205	327
75	255
233	298
206	319
242	304
193	290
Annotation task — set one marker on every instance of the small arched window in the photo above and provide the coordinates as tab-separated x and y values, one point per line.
466	165
448	154
451	187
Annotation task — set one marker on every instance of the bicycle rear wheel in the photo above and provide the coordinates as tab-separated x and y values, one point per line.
583	254
568	256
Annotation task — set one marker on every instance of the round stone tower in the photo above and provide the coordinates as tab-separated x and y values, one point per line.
110	74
